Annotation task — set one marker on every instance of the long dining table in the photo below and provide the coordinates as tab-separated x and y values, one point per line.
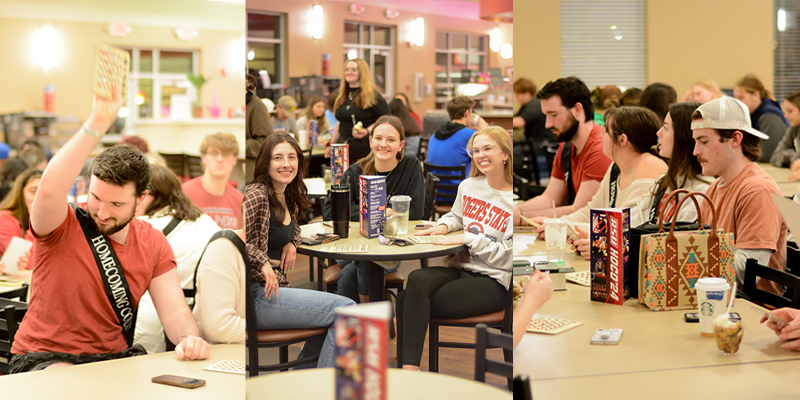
659	356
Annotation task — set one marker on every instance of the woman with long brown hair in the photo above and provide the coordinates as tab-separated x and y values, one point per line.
403	177
272	204
169	210
765	113
15	214
358	102
315	111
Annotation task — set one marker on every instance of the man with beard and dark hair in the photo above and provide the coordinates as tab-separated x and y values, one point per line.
92	266
567	105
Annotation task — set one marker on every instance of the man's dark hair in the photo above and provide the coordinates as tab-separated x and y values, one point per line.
459	106
120	165
658	97
571	91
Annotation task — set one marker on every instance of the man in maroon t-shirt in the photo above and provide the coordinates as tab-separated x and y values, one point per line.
212	192
70	318
567	105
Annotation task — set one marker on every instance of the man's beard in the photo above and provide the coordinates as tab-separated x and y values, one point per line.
109	230
570	132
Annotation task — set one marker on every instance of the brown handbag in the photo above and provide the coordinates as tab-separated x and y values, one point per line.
670	263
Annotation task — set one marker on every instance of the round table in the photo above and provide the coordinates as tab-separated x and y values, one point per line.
318	384
376	251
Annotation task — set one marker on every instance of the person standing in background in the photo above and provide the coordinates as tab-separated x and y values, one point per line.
358	102
256	128
212	192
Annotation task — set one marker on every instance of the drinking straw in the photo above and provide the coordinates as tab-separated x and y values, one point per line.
554	209
730	301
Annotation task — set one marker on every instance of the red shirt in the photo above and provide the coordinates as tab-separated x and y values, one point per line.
68	310
590	165
226	210
9	228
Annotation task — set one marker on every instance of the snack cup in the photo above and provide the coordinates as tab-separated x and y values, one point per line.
728	334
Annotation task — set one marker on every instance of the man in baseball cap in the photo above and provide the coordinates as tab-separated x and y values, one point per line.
284	121
726	145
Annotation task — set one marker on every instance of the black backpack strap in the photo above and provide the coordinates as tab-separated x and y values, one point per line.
566	164
235	239
612	186
654	207
173	223
117	289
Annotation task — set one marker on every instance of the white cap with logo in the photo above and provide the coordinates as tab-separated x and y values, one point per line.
725	113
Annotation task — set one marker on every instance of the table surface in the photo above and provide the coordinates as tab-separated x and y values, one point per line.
129	378
318	384
651	340
376	251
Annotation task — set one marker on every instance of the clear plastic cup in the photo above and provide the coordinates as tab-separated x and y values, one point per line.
728	334
400	206
555	234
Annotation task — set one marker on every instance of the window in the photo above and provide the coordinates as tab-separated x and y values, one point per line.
265	51
603	43
459	58
373	43
787	47
155	76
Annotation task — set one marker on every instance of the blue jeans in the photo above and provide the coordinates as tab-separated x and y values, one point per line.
354	278
299	309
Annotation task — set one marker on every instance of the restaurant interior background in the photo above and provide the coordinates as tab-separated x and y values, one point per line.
429	50
51	44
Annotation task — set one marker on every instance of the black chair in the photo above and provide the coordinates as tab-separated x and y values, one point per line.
522	388
486	339
280	339
431	183
11	314
177	163
521	186
530	163
445	201
550	150
21	293
422	150
755	270
194	166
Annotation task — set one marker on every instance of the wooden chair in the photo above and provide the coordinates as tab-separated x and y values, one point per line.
194	166
177	163
755	270
280	339
522	387
487	339
11	314
499	319
445	201
21	293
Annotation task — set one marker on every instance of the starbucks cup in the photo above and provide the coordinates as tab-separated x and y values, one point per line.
712	301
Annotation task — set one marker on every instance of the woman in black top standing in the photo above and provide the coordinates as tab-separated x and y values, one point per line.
358	101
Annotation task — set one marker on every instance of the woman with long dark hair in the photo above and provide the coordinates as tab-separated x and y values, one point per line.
358	102
15	214
169	210
403	177
273	202
765	113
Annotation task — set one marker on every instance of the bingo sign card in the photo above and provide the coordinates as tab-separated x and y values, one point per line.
110	64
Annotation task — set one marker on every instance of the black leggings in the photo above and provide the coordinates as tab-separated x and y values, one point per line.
439	292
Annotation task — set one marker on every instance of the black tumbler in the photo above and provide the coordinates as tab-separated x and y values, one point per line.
340	209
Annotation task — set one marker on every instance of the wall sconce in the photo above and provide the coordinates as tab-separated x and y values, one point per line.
46	47
506	51
495	40
419	31
317	21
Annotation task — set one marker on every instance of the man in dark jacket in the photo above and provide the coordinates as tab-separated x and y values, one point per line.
257	126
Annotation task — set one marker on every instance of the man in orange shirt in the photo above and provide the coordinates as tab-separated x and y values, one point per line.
727	146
